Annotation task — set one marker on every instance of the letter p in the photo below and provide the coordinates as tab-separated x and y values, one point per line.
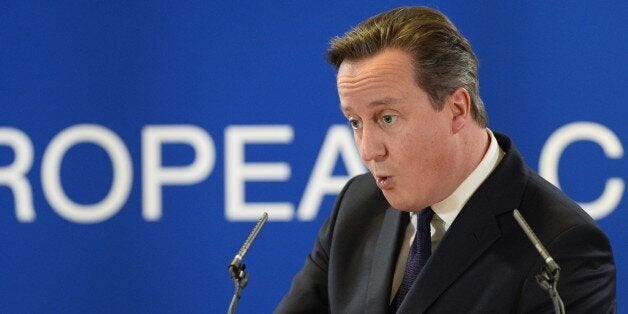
155	176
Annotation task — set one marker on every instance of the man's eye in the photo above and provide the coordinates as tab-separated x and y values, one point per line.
389	119
355	124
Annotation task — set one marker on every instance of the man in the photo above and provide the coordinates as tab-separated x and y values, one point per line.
408	85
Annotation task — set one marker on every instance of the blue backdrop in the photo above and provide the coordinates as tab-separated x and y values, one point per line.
140	140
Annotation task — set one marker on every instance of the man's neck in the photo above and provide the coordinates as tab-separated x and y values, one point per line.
475	143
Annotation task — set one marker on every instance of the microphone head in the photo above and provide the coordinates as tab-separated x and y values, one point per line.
236	267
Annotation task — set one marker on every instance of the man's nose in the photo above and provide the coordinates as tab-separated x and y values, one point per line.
372	146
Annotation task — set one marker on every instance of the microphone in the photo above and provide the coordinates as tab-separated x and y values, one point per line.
550	273
237	268
549	261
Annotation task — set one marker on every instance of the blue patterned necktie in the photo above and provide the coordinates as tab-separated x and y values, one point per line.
420	251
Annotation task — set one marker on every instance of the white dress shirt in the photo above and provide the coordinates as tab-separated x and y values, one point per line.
446	211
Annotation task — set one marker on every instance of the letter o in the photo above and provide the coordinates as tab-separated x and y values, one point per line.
122	173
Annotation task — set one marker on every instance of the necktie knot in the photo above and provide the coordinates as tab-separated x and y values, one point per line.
424	219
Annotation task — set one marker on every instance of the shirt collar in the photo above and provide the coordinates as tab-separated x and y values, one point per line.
449	208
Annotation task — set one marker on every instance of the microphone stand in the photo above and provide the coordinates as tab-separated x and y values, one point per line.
237	268
550	273
240	280
548	281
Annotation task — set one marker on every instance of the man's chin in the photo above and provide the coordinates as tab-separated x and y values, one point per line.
401	205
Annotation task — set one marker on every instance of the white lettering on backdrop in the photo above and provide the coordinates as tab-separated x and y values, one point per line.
336	147
585	131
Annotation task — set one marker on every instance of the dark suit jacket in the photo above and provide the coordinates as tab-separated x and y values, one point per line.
484	263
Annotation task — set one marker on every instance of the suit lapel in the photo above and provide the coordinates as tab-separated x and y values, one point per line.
474	230
385	260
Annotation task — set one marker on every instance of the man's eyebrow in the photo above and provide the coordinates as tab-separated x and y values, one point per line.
375	103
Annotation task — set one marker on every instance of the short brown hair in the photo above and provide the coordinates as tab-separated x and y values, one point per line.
443	58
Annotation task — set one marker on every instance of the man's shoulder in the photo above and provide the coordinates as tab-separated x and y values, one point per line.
552	214
547	209
542	195
539	198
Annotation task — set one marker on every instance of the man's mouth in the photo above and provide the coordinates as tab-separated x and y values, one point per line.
384	182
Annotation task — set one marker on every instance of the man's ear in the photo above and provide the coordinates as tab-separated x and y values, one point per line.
459	103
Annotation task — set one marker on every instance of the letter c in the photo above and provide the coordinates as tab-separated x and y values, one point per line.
585	131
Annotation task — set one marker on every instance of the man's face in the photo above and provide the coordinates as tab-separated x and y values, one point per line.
406	144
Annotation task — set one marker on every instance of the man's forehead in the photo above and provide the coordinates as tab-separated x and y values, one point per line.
389	59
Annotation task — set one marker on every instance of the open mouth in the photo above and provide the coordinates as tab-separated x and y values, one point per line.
383	182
